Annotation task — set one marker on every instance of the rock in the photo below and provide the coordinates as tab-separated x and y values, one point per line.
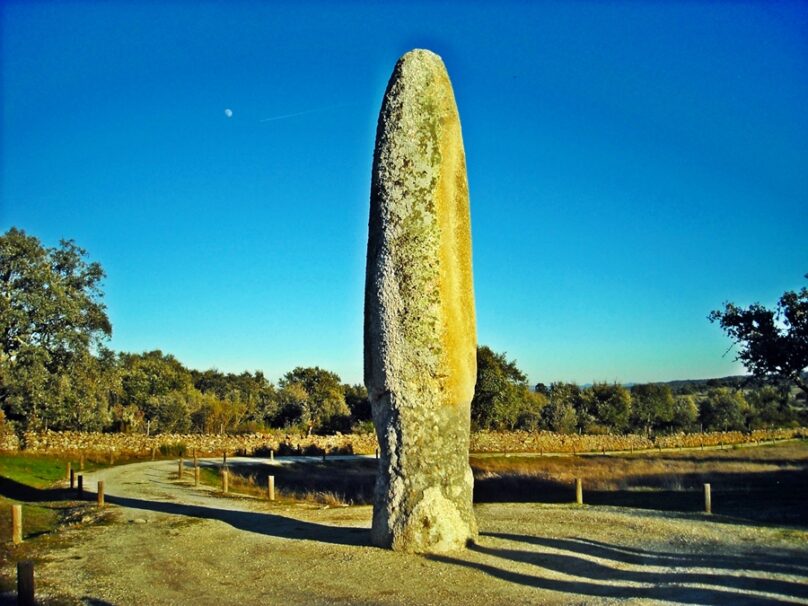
420	333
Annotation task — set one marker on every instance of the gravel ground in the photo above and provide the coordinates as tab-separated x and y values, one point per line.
172	543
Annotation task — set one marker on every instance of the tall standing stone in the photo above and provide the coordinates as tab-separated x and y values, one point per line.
420	335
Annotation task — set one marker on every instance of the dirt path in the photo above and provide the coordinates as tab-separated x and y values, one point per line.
172	543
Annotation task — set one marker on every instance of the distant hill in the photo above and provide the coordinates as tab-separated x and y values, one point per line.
702	384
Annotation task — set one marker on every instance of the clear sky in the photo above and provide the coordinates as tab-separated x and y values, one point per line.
632	165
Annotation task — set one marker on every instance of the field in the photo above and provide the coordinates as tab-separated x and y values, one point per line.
764	484
641	536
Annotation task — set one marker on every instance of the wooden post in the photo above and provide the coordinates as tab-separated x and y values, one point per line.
68	470
153	452
224	459
224	481
377	453
72	478
271	488
195	460
80	490
100	494
179	469
196	475
81	463
111	458
16	524
708	501
272	454
579	491
25	583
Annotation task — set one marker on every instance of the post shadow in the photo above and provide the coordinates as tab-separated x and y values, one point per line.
795	564
663	590
573	564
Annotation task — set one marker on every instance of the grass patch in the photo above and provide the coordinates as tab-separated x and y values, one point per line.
37	519
31	470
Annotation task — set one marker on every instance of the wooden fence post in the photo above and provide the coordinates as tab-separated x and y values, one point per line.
68	471
271	488
100	494
81	463
16	524
708	500
153	452
25	583
195	459
377	453
224	481
579	491
224	459
179	469
272	454
80	491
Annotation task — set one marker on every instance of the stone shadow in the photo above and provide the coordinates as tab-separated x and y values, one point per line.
258	522
262	523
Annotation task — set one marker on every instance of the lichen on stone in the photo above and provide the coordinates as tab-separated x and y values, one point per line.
420	334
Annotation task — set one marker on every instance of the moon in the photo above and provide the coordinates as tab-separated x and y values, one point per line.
228	113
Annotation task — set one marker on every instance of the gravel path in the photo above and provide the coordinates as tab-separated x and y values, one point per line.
172	543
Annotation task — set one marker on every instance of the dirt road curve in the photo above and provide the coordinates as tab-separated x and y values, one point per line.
172	543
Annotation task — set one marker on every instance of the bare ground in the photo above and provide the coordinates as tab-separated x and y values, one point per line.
172	543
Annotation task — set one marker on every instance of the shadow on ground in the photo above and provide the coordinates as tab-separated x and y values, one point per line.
261	523
595	563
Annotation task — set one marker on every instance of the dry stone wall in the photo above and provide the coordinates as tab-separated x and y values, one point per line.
291	443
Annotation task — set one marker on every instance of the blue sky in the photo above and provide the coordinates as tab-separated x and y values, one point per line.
631	166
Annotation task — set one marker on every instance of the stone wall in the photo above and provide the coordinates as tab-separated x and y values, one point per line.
290	443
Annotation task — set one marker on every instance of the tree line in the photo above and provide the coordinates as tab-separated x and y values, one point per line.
504	400
57	373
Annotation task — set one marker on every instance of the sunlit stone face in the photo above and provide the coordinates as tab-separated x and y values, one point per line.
420	335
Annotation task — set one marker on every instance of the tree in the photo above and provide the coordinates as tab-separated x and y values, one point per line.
724	409
561	417
565	411
148	381
325	402
769	407
609	404
502	399
685	413
773	343
51	319
292	406
651	406
356	397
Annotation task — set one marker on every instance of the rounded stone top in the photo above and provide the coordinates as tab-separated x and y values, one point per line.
420	60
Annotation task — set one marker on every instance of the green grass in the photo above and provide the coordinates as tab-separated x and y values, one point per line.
37	519
33	471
